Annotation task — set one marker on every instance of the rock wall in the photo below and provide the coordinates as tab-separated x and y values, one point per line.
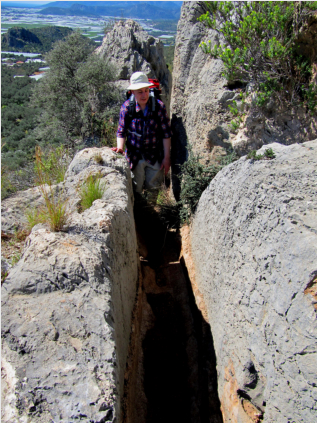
200	99
253	245
198	91
67	304
132	49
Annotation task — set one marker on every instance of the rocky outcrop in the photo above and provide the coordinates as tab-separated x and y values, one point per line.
67	304
199	91
253	245
201	95
132	49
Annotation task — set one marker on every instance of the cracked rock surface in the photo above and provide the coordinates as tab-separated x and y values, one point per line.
67	304
253	240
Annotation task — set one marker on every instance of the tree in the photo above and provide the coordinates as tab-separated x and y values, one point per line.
259	46
78	93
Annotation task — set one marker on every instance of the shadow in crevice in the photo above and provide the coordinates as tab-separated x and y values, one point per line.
207	361
173	366
179	152
165	363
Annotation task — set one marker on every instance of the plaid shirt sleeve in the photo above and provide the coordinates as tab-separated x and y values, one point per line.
121	132
165	121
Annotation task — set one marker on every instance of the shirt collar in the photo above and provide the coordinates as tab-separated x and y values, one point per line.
138	108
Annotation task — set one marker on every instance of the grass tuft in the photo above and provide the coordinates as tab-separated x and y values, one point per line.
52	165
98	158
55	210
93	189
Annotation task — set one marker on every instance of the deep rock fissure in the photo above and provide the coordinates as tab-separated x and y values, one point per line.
171	373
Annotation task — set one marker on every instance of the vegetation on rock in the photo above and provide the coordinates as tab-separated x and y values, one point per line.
55	211
259	47
52	164
93	189
195	178
268	154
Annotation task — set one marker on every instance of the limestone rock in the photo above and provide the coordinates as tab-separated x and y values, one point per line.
132	49
14	209
67	305
200	116
253	243
201	96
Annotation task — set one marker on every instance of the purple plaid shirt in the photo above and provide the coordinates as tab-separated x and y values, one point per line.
144	136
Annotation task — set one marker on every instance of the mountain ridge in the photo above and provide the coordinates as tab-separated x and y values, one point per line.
127	9
141	10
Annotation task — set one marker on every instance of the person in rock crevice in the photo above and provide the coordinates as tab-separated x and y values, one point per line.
147	135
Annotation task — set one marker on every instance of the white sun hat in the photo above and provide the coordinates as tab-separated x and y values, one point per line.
138	80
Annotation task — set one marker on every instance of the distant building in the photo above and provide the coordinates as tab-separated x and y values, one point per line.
35	61
36	77
19	63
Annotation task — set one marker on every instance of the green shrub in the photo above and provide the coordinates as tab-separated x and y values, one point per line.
268	154
260	46
77	95
167	208
108	132
195	178
93	189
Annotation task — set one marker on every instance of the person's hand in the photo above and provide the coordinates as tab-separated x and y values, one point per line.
166	164
117	150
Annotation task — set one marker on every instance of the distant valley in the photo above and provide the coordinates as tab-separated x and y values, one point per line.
132	9
93	24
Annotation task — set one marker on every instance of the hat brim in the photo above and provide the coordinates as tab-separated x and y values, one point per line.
139	86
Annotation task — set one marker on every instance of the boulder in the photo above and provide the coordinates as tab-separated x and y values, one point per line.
67	304
132	49
253	246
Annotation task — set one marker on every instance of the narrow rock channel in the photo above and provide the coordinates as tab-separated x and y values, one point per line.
171	375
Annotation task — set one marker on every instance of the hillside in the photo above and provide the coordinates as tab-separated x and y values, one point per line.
39	40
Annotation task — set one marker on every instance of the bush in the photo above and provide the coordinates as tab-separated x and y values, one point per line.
77	95
260	47
268	154
195	178
167	209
